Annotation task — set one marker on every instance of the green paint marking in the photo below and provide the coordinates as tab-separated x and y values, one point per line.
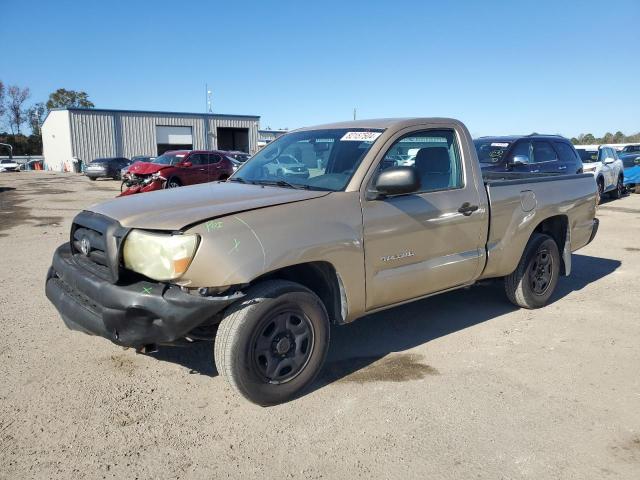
236	244
146	290
211	225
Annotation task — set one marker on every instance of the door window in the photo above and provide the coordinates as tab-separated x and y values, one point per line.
214	158
433	153
566	153
543	152
198	159
523	151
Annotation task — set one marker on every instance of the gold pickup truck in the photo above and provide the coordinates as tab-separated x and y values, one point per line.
324	225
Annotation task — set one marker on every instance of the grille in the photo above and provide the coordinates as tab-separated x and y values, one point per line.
95	243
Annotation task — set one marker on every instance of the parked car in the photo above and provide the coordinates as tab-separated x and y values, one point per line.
135	159
286	166
608	170
175	169
268	264
631	164
630	149
238	156
106	167
9	165
530	153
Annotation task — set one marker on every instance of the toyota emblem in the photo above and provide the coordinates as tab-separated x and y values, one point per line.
85	246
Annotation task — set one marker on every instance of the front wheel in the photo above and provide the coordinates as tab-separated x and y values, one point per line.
272	344
173	183
619	191
534	280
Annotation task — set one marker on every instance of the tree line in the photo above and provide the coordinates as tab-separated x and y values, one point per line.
16	112
618	137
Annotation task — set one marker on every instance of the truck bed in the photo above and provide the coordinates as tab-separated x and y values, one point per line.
520	201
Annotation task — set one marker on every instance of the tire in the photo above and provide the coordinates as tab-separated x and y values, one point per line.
93	179
173	182
250	344
619	191
600	192
534	280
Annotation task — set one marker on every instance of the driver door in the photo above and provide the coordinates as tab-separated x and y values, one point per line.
422	243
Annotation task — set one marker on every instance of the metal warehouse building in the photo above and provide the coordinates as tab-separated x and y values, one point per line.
92	133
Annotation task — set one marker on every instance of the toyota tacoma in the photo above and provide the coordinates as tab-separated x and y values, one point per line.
262	264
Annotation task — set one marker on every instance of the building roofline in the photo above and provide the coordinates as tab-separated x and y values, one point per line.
153	112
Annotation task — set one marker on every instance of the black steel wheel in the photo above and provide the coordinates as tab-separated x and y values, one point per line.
541	272
283	345
535	278
271	345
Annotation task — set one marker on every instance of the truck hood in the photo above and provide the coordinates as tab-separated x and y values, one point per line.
177	208
146	168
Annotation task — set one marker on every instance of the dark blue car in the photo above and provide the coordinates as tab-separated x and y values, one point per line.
528	153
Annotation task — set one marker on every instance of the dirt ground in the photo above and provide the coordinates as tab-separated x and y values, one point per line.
458	386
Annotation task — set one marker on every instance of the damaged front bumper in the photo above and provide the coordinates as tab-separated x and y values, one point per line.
137	314
142	186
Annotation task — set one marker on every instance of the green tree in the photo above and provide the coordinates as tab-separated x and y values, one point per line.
618	137
63	98
575	141
608	138
35	116
588	139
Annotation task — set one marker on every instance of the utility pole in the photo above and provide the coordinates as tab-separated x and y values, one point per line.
354	113
208	97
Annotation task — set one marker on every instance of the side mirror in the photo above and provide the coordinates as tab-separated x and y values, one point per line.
519	160
398	181
186	163
609	160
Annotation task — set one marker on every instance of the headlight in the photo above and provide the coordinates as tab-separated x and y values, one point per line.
159	256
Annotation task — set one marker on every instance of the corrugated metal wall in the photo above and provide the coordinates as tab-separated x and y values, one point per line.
97	134
92	135
139	132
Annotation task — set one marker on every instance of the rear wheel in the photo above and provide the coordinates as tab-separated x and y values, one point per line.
534	280
272	344
619	191
173	182
93	179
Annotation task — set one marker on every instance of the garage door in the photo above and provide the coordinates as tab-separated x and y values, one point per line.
173	138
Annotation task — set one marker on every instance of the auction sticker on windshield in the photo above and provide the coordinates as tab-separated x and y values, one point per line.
360	136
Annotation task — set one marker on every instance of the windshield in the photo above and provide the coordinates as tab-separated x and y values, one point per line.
631	149
588	156
491	151
313	159
7	161
168	159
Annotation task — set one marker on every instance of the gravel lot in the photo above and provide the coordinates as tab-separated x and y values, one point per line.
462	385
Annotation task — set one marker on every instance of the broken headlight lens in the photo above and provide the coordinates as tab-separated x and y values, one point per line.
159	256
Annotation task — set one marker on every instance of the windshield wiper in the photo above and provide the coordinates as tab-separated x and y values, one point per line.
237	179
281	183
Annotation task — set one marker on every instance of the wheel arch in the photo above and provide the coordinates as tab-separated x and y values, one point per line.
322	279
557	227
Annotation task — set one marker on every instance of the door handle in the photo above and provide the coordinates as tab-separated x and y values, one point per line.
467	209
562	168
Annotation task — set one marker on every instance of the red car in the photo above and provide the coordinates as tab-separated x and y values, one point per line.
177	168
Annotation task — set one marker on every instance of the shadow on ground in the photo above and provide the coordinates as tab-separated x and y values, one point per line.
356	346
